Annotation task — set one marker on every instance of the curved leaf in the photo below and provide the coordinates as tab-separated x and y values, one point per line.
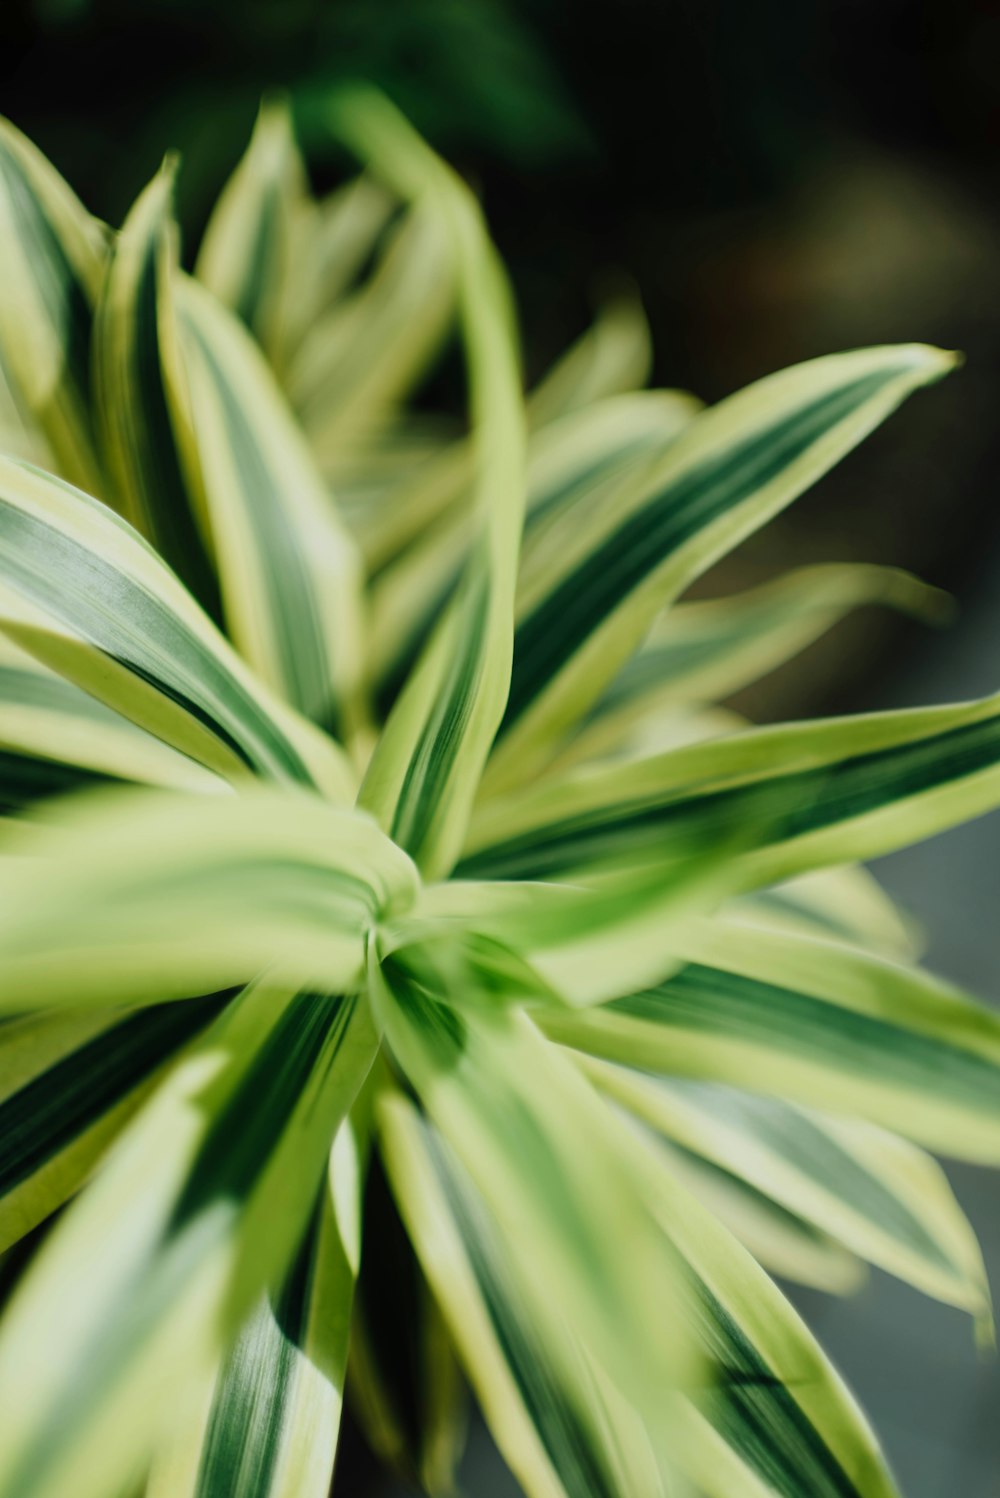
52	262
737	466
154	656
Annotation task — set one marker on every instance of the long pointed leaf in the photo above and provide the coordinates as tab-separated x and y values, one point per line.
736	467
70	1084
270	1423
134	344
211	1188
289	573
427	763
52	261
815	1022
142	895
154	657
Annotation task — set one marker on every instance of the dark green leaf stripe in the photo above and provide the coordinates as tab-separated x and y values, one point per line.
306	668
62	1102
135	419
816	1152
48	360
568	1440
244	1132
307	1035
103	605
778	807
25	778
246	1423
442	735
556	628
753	1408
67	300
713	1001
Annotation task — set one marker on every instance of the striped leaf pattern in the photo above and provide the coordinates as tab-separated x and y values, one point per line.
799	796
411	969
269	1425
704	652
156	658
223	1155
551	1426
246	253
134	342
815	1021
52	262
882	1199
70	1083
288	571
55	737
427	763
739	464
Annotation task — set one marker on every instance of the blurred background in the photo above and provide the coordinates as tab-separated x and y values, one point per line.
779	180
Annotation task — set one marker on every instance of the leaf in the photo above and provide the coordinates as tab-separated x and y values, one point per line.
289	573
134	352
880	1197
815	1022
531	1135
271	1420
838	904
154	656
737	466
576	459
801	795
426	765
782	1243
357	363
71	1081
136	896
545	1410
706	651
54	737
775	1418
334	240
246	254
406	1388
52	261
615	355
210	1189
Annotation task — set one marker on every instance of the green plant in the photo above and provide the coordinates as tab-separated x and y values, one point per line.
581	967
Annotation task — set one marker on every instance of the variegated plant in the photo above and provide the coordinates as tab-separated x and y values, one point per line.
372	838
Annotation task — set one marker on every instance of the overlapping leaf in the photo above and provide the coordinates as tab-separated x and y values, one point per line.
52	261
738	464
270	1420
210	891
427	763
210	1188
154	656
289	574
806	794
814	1021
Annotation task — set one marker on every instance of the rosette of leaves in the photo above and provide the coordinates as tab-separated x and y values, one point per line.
410	977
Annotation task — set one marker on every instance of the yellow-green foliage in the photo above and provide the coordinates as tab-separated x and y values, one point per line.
370	816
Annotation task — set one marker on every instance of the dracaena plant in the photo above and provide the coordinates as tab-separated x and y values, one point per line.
383	886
